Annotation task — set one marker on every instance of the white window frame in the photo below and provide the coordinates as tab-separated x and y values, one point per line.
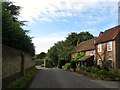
98	63
109	46
99	47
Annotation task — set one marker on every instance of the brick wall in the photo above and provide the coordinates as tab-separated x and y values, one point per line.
91	52
109	54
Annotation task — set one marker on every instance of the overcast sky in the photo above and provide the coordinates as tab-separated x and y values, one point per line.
50	21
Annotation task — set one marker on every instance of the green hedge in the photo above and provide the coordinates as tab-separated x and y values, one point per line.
101	73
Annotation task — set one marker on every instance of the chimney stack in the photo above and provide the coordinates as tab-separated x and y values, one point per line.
101	33
78	41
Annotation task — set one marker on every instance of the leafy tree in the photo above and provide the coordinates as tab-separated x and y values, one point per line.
12	33
62	49
52	55
41	55
83	36
72	38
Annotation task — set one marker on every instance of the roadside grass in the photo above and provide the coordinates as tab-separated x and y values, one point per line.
23	81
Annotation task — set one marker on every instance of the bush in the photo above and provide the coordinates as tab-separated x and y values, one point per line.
88	69
39	61
94	70
61	63
114	74
67	66
73	65
83	68
106	65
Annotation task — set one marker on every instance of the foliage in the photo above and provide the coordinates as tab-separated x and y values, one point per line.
49	64
61	63
106	65
41	55
82	36
73	64
52	55
12	33
23	81
39	61
67	66
79	55
62	49
102	73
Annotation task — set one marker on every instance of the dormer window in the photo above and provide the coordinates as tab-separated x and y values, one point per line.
99	47
109	46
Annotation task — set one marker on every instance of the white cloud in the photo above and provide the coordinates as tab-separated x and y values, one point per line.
47	9
42	44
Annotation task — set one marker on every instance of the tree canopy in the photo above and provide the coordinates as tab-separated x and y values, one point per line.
12	33
41	55
61	50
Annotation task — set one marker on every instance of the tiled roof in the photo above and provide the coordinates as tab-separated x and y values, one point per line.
85	46
108	35
84	58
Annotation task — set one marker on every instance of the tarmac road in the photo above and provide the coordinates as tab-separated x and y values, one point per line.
56	78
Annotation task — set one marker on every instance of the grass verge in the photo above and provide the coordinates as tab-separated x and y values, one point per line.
23	81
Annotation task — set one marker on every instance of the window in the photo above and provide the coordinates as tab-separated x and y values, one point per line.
99	47
92	53
110	62
99	62
109	46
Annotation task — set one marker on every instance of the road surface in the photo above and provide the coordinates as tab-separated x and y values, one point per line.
56	78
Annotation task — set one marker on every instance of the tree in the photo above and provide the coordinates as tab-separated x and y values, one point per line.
41	55
12	33
62	49
52	55
83	36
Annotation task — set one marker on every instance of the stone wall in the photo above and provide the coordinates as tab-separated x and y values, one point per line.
11	61
14	63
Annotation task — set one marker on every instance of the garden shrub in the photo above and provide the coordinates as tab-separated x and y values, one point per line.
39	61
67	66
61	63
93	69
83	68
73	65
88	69
101	73
106	65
